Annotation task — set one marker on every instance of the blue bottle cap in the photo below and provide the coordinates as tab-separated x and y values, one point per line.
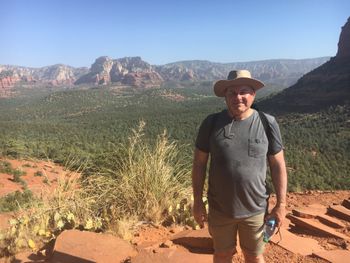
271	221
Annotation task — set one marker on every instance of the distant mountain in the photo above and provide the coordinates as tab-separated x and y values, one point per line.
282	71
53	75
324	86
133	71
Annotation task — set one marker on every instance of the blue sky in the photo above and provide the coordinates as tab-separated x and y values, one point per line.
39	33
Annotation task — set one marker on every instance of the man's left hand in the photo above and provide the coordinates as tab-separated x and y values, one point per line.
279	213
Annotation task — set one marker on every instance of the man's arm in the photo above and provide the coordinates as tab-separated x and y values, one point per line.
279	180
199	168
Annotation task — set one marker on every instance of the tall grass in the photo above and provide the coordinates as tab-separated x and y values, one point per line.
148	179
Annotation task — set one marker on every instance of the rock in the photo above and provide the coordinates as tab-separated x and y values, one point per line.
131	71
344	41
166	244
171	256
316	227
296	244
79	246
194	240
310	211
335	256
339	211
53	75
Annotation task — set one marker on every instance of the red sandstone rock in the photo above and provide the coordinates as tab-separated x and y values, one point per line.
340	212
330	221
346	203
167	255
316	227
78	246
335	256
296	244
194	239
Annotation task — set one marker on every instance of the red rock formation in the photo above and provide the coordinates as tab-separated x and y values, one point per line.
142	79
8	82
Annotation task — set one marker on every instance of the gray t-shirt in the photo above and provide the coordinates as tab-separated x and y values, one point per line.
237	170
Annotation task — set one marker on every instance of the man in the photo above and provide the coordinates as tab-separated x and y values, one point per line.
238	146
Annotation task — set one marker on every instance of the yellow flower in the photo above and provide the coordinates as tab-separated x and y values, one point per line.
36	229
60	224
41	232
70	217
13	222
31	244
89	224
57	216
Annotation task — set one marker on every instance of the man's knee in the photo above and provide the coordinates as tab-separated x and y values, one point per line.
224	256
250	258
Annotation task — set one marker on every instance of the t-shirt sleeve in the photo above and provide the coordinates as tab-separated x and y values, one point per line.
275	142
203	136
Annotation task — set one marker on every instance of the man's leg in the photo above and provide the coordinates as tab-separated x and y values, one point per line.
224	232
250	236
252	258
224	256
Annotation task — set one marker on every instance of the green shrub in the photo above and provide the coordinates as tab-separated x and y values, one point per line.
14	201
5	167
38	173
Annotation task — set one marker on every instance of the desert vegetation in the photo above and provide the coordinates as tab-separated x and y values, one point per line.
92	125
133	151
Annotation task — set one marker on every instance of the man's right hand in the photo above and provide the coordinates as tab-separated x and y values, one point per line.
199	212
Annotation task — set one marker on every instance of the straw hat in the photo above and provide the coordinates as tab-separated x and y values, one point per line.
235	78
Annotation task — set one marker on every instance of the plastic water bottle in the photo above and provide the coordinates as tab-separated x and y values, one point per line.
269	229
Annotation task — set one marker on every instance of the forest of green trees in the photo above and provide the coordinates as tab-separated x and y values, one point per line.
89	126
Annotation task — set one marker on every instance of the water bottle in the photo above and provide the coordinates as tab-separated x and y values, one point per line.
269	229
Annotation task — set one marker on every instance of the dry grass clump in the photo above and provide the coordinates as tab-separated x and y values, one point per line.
149	180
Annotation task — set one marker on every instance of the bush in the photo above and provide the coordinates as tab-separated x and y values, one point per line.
38	173
14	201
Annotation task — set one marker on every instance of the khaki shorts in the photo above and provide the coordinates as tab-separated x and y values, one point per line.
224	232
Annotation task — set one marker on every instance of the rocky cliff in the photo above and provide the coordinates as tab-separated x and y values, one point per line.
51	75
344	42
131	71
325	86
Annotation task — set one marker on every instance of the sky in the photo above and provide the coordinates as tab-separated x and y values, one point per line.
37	33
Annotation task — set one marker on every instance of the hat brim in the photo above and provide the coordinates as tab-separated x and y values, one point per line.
221	85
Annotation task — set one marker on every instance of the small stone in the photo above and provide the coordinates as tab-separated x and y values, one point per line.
166	244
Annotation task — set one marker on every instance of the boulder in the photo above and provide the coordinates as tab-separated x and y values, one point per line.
82	246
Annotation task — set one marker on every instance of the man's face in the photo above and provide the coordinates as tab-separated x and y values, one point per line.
239	99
